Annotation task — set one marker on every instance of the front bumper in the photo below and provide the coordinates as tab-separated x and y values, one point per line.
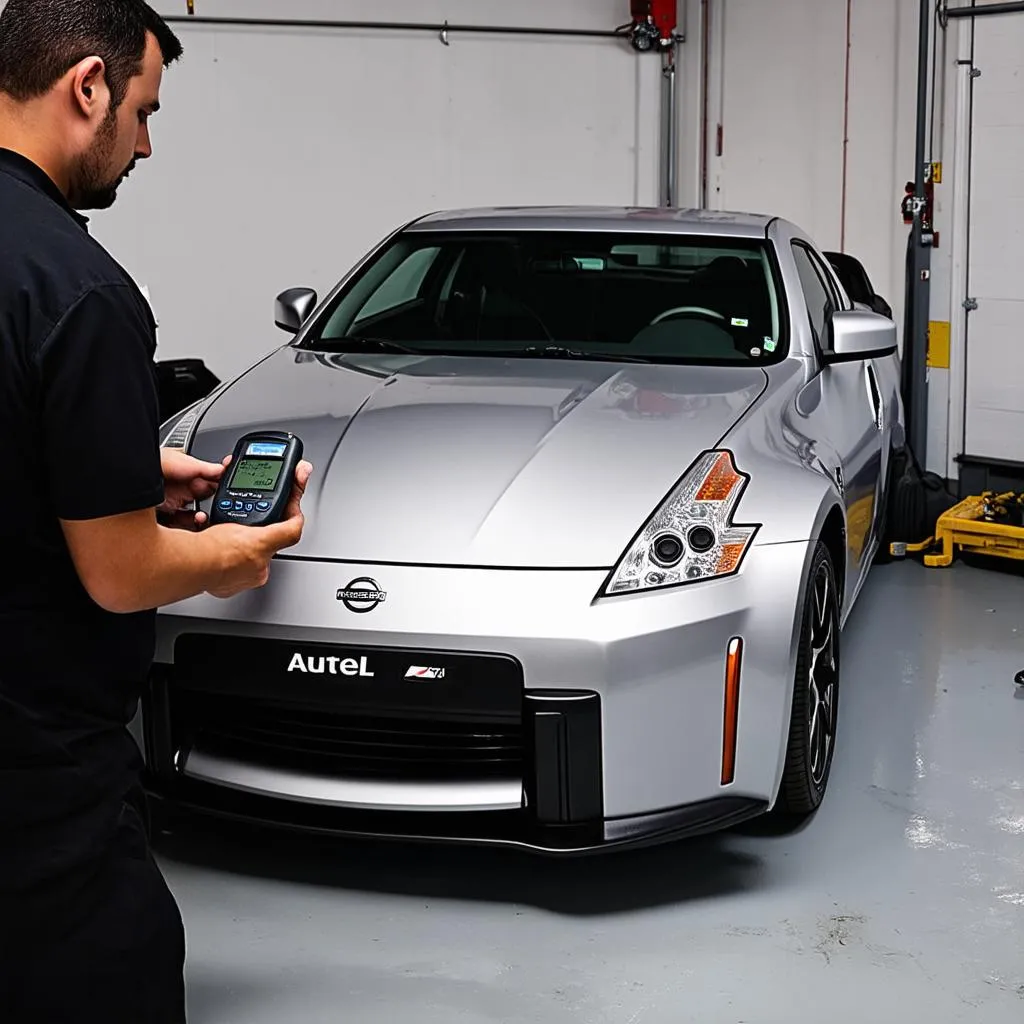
609	714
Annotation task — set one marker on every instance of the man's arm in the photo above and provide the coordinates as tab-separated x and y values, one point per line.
103	463
129	563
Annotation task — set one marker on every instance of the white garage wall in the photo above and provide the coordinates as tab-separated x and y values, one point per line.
778	85
281	156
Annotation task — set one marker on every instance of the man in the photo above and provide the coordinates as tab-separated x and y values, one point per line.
90	523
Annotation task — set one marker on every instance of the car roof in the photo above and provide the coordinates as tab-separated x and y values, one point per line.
626	219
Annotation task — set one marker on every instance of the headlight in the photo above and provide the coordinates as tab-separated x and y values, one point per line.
691	537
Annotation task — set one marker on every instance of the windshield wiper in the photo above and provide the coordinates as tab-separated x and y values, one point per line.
559	352
546	352
336	344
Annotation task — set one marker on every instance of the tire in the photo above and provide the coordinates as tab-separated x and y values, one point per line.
811	742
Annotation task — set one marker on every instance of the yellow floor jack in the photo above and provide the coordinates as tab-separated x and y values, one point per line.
987	524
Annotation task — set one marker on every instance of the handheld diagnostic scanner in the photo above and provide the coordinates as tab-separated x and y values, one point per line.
255	489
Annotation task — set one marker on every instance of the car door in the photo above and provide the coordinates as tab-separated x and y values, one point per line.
846	417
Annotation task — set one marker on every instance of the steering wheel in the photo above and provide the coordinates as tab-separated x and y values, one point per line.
700	311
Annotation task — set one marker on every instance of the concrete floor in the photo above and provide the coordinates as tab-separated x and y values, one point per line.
903	900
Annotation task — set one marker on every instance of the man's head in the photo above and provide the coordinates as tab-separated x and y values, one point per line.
82	77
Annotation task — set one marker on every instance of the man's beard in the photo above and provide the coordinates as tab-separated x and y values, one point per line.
92	189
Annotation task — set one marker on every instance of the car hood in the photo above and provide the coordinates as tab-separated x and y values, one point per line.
481	461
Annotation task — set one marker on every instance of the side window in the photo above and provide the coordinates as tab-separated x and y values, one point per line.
819	298
828	274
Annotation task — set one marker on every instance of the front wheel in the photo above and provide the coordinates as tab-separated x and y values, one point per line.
812	728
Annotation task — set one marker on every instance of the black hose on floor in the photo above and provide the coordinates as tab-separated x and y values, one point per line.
917	499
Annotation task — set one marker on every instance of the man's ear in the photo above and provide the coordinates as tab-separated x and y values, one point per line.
89	86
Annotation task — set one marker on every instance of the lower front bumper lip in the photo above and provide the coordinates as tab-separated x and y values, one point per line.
284	783
504	829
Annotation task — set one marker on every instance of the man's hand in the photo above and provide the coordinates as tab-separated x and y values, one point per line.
187	480
249	549
127	563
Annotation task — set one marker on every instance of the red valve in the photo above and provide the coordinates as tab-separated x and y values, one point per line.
654	22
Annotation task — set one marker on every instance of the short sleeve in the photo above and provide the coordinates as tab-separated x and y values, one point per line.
99	407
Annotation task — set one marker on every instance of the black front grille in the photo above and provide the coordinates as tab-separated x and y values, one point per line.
348	744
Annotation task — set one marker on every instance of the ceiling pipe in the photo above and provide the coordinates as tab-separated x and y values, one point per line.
983	11
440	30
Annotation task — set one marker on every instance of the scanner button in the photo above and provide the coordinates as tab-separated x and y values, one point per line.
239	505
248	506
263	505
226	504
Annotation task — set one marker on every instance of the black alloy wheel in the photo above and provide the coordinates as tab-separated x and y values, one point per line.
812	730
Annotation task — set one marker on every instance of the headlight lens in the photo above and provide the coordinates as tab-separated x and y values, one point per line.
175	433
691	537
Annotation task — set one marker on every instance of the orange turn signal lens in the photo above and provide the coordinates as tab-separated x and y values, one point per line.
720	481
733	658
730	557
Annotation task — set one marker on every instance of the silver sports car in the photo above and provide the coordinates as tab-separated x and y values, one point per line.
594	492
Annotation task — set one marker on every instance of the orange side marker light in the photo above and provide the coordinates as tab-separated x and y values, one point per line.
733	658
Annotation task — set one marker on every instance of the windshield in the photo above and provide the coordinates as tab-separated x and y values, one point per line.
562	294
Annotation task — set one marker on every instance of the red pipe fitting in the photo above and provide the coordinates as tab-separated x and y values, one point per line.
661	15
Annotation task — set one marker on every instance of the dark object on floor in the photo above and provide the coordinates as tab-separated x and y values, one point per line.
1019	678
916	502
180	382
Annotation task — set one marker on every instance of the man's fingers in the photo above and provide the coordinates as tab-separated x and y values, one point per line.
284	534
179	467
202	488
209	470
302	474
288	531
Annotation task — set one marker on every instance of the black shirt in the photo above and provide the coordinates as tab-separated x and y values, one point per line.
78	440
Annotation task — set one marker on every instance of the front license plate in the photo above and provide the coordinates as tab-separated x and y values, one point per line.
369	679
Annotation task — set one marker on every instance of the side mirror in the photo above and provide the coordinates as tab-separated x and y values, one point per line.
292	308
857	335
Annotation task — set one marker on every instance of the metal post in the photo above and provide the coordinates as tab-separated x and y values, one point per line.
916	351
669	129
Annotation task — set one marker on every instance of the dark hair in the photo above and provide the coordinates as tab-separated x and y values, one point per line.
40	40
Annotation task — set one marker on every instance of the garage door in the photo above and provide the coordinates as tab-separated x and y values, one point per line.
994	411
